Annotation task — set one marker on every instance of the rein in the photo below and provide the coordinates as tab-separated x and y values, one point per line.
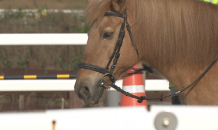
140	99
115	56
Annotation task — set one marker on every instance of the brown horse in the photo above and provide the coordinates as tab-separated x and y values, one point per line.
179	38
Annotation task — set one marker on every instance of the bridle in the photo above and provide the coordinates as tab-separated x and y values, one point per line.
115	56
116	53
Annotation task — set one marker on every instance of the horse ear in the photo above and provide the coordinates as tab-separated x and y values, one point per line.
88	1
118	6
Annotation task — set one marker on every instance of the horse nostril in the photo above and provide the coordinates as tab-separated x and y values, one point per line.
84	92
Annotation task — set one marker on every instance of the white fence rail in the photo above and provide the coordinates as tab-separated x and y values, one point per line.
55	85
44	39
67	85
129	118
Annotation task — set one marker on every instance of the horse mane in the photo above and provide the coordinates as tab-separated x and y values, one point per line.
182	31
169	29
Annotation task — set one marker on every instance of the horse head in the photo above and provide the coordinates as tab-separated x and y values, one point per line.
102	41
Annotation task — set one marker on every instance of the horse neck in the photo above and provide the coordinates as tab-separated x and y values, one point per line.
172	32
177	37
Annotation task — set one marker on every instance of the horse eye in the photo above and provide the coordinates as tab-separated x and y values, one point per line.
107	35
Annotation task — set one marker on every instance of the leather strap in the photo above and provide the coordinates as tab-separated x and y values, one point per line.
115	14
93	67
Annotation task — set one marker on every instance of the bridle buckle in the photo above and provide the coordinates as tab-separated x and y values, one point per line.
111	76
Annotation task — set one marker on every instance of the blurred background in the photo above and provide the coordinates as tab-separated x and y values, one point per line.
44	16
40	16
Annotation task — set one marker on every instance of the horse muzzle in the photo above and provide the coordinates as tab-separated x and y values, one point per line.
88	93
